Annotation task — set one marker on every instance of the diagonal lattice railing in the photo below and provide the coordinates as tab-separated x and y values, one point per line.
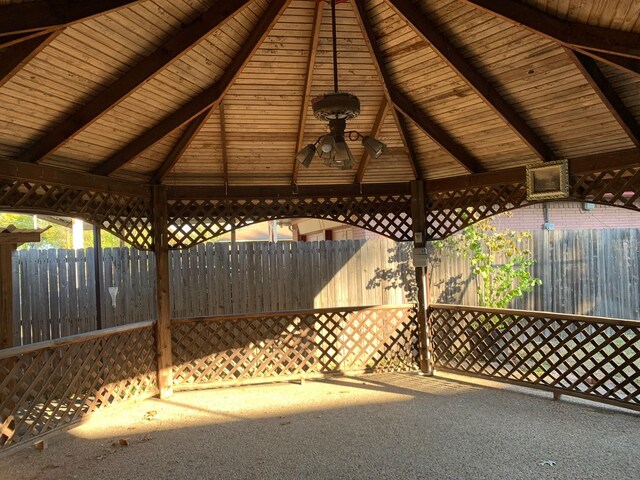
589	357
292	344
48	385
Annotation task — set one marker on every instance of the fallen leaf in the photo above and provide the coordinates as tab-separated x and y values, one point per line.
150	414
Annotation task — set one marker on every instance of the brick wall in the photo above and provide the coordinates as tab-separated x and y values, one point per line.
569	216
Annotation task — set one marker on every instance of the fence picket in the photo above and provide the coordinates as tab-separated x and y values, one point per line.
72	292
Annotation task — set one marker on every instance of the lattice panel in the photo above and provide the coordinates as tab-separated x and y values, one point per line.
49	387
593	358
450	211
227	349
619	188
127	217
195	221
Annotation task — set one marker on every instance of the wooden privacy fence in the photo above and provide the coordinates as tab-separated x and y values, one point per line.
55	296
590	272
51	384
54	291
589	357
584	272
239	349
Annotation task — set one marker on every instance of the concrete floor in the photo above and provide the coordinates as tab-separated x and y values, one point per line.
376	426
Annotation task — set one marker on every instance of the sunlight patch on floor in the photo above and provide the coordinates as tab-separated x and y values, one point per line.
192	409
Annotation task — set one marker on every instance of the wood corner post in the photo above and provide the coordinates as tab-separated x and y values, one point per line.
6	295
419	220
163	301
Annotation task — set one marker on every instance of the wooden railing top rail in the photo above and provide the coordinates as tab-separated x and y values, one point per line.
533	313
82	337
251	316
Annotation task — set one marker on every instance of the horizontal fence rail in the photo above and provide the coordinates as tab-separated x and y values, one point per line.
47	386
588	357
219	350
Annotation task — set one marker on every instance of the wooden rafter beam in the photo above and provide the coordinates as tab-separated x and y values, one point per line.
313	51
410	149
628	65
401	102
209	98
412	14
436	133
29	16
183	192
14	170
375	131
181	146
577	166
376	55
14	58
223	144
607	94
11	40
572	34
151	65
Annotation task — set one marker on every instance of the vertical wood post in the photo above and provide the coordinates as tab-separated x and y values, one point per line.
6	295
163	302
419	220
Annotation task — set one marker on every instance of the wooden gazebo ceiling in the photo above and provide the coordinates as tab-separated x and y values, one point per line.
219	91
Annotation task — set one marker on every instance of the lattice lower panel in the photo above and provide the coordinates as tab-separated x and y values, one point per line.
126	216
223	349
195	221
47	387
589	357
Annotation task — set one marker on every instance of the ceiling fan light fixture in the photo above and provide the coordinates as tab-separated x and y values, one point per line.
305	155
326	146
343	158
373	146
336	108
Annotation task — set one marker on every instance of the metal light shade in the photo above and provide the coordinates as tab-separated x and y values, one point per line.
327	147
343	158
374	147
305	155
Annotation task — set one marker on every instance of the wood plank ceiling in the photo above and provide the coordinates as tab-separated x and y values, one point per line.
217	92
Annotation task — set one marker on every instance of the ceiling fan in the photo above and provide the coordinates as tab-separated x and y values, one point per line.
336	108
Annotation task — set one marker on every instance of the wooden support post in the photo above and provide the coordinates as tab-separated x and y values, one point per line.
97	267
6	295
419	218
163	324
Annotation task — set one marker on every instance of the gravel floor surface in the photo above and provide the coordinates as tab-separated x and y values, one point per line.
402	426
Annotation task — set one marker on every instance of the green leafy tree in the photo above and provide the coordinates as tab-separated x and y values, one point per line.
57	236
499	259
